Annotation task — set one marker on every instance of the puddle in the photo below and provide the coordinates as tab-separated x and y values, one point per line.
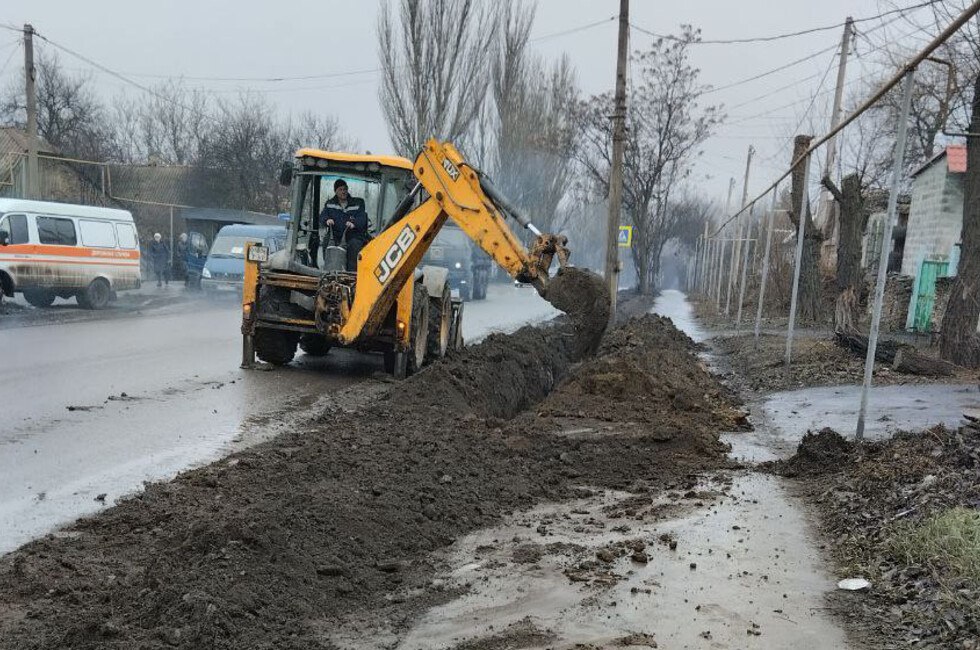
890	409
674	305
744	574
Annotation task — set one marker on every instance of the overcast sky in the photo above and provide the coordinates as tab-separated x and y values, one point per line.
249	39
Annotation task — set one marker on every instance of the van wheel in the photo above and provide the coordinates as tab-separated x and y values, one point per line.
277	347
95	296
40	298
314	345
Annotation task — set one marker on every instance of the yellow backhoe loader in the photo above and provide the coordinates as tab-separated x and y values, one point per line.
389	304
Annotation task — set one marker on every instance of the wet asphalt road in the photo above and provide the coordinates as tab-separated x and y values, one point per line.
91	407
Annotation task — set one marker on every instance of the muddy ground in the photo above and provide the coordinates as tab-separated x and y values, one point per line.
271	546
902	514
817	361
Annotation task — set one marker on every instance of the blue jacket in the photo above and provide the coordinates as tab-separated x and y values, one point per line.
355	213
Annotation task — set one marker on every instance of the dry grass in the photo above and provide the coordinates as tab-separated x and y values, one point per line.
948	543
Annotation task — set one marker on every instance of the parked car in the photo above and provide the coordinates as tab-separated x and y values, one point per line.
225	265
59	250
469	267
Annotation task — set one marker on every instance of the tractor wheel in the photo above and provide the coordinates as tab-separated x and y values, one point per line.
440	322
277	347
420	329
314	345
95	296
456	333
40	298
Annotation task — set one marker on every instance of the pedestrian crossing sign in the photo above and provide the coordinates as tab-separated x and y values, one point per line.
625	236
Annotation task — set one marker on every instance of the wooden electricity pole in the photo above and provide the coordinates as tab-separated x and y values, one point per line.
825	215
737	244
619	146
32	189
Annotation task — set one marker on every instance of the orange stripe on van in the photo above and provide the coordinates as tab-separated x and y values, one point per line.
106	262
69	251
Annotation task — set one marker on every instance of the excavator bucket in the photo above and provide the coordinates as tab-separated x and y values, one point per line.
546	246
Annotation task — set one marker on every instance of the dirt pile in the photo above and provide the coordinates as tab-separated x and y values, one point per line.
819	453
505	374
886	508
646	374
582	295
268	548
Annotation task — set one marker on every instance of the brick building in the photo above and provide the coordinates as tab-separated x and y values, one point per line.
932	237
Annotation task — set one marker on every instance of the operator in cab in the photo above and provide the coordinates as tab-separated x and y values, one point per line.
346	217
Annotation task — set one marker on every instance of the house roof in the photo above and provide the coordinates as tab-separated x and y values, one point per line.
954	155
14	140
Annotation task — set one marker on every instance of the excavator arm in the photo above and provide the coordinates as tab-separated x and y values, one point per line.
455	191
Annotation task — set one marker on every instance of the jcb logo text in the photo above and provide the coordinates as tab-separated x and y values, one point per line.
395	254
450	168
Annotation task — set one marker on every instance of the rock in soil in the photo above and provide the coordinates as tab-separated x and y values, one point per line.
265	551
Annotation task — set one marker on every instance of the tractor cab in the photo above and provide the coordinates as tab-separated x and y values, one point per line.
381	181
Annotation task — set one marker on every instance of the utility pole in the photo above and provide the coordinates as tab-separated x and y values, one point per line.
724	245
616	169
32	189
737	246
826	202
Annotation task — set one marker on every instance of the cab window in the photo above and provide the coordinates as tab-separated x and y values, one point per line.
56	231
369	190
15	225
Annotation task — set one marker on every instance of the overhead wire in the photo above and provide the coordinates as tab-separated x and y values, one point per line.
777	37
893	81
574	30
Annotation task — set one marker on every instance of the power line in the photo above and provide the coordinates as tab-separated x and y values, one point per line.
573	30
122	77
3	68
771	72
777	37
909	66
310	77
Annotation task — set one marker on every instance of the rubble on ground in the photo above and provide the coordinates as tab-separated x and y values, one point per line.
876	500
817	361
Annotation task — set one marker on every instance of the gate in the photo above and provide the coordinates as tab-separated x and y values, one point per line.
925	293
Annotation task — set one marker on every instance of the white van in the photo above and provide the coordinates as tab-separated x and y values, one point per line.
50	250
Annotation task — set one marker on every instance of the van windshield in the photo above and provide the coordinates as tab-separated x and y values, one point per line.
232	246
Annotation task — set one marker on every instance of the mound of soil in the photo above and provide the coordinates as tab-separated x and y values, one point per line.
582	295
819	453
867	494
648	370
272	546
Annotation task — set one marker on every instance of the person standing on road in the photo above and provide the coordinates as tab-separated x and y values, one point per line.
346	216
160	259
181	250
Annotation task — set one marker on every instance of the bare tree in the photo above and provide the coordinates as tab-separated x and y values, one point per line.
958	340
69	115
809	292
666	127
435	68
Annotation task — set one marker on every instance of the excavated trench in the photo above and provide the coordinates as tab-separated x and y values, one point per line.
271	546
